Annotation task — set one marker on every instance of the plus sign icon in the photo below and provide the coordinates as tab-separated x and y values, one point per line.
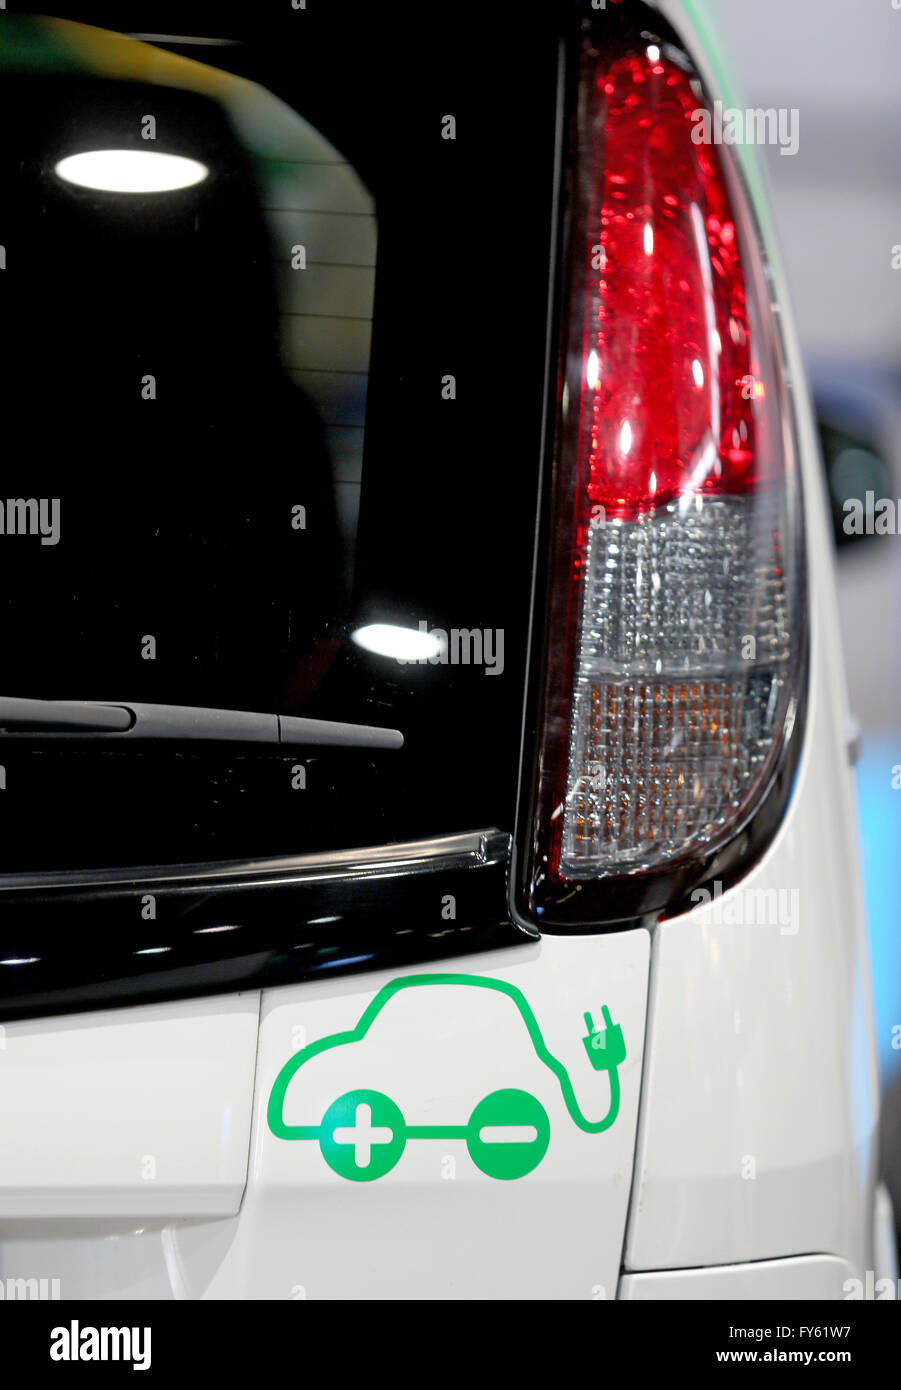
362	1135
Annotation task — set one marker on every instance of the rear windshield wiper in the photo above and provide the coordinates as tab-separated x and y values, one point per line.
21	718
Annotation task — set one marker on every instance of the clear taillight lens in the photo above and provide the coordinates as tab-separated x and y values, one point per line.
671	726
674	644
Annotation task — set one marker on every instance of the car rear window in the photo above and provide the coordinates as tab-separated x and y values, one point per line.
258	415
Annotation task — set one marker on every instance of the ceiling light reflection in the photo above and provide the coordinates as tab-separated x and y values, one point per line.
402	643
131	171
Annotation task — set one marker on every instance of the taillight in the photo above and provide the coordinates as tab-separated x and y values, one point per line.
675	637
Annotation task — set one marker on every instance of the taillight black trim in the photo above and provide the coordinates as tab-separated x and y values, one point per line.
71	942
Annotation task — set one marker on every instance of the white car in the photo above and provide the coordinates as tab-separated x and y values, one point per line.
464	902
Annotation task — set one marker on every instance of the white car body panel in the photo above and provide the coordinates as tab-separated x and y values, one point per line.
141	1112
435	1226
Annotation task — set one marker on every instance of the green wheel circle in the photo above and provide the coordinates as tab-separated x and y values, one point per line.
362	1135
508	1158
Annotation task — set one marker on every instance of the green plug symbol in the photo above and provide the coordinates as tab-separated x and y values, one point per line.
605	1046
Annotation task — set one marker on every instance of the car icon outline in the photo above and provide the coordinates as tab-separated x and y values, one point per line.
368	1123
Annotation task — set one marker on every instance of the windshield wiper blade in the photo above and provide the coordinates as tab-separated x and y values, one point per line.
125	720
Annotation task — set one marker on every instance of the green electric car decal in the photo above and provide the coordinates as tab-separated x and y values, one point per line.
363	1133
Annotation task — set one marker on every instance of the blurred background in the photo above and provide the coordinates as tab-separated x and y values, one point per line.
837	208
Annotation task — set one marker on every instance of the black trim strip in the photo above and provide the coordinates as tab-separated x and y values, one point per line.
73	942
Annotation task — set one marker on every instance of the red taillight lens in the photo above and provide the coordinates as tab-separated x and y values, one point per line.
674	643
667	340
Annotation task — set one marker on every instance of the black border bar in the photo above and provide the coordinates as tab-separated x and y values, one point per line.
70	942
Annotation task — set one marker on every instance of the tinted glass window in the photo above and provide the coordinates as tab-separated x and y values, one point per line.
259	414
